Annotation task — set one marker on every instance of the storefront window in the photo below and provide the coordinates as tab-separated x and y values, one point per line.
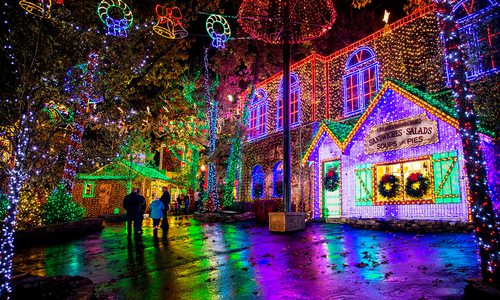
411	182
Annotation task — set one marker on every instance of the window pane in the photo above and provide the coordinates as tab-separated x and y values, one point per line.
352	103
369	85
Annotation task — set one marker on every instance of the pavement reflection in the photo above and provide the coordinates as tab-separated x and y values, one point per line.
192	260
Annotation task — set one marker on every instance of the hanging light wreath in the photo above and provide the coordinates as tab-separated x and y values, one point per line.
219	30
115	27
331	180
388	186
417	185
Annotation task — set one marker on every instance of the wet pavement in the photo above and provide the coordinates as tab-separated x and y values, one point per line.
242	261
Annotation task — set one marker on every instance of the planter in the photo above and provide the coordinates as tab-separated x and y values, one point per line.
286	221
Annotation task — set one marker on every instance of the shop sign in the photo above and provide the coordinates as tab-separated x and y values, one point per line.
404	133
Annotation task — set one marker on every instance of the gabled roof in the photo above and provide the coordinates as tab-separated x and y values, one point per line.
417	97
123	170
342	134
338	132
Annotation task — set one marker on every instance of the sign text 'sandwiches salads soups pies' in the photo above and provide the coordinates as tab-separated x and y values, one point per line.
404	133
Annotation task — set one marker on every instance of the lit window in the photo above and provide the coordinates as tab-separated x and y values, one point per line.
278	180
294	103
258	178
88	189
257	111
480	34
402	171
360	81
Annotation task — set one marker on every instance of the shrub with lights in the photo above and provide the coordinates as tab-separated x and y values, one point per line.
4	203
61	207
30	210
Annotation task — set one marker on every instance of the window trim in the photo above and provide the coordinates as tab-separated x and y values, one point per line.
84	191
257	105
294	88
361	83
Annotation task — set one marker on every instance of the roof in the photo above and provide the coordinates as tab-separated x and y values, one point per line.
338	132
123	170
342	133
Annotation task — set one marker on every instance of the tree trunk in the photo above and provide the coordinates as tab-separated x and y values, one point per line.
482	210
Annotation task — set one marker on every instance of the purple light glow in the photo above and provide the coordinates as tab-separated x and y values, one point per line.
392	107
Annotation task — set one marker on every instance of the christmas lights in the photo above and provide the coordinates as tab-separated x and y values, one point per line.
257	113
360	80
487	233
115	27
169	22
308	20
83	99
294	103
213	193
39	8
219	30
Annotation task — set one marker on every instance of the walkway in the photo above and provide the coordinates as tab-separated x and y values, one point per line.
242	261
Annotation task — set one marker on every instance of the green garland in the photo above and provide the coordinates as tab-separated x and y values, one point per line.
388	186
417	185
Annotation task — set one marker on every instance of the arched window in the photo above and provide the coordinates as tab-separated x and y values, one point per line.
258	177
480	34
257	113
360	80
278	179
294	103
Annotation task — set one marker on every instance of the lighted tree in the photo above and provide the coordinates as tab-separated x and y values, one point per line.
61	207
30	210
487	233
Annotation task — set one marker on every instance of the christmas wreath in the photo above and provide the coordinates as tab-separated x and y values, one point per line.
417	185
388	186
331	180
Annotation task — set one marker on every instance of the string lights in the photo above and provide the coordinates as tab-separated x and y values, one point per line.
487	234
212	119
85	89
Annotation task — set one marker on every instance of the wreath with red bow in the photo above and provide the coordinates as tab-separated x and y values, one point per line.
417	185
388	186
331	180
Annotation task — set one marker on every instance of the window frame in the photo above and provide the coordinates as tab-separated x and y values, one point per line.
257	127
357	71
469	27
84	190
295	89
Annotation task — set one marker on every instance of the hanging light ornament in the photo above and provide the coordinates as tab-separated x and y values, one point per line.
116	27
219	30
308	20
169	23
39	8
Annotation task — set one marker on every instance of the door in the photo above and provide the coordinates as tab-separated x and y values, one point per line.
104	199
331	189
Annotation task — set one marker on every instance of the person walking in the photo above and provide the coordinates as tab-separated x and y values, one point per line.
186	204
165	199
156	209
133	203
180	200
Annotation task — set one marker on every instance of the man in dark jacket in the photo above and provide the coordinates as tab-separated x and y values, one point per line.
134	204
165	198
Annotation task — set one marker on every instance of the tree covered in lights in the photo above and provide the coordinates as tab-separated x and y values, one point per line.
61	207
487	233
141	74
